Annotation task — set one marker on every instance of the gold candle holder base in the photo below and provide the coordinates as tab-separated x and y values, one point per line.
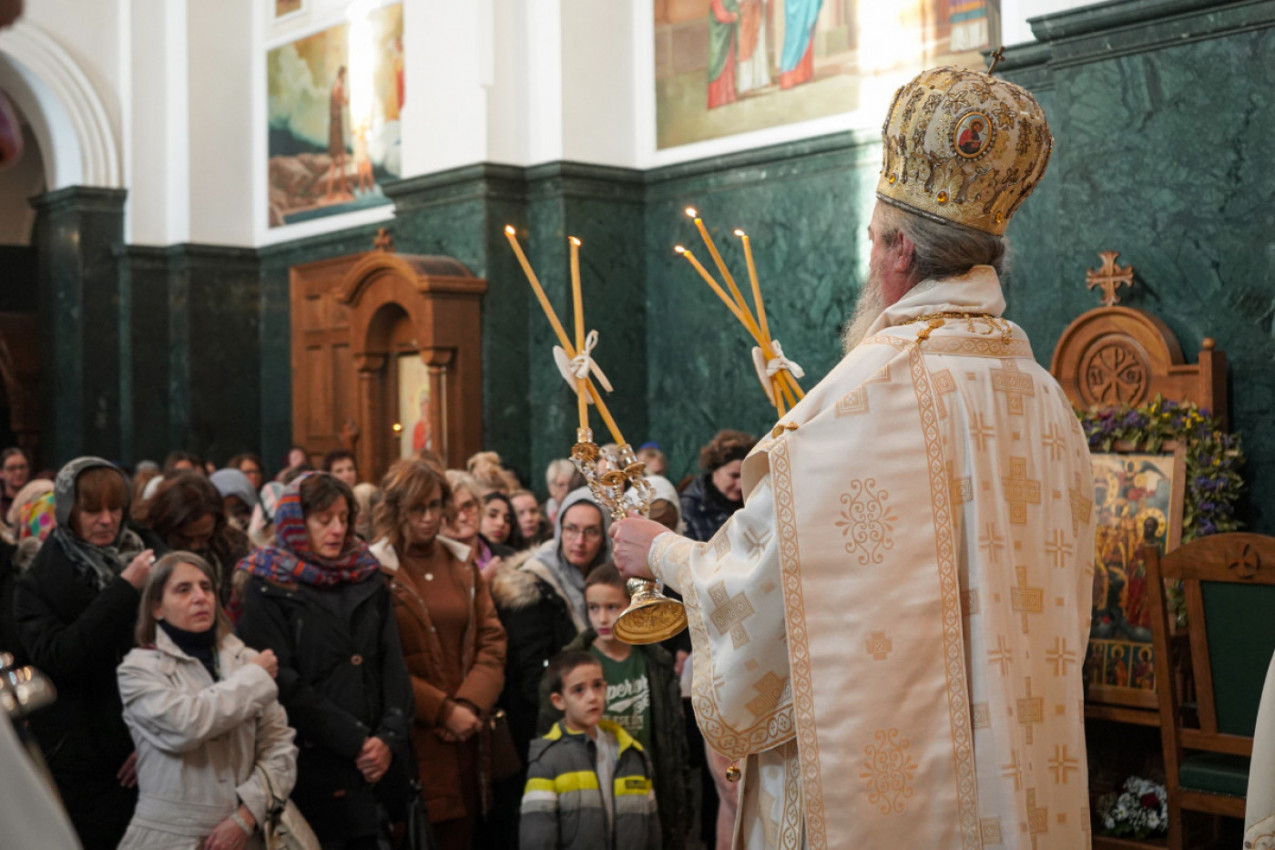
651	616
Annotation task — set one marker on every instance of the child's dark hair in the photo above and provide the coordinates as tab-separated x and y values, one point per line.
606	574
563	663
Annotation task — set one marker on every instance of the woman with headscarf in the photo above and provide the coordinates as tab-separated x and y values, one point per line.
452	640
238	496
75	609
318	600
540	599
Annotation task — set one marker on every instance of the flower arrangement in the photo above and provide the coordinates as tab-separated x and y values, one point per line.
1213	460
1140	810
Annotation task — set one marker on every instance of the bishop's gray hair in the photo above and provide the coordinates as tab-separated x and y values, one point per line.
941	250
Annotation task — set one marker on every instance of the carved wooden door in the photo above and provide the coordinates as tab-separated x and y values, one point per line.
324	381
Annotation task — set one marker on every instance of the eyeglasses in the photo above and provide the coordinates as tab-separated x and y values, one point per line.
590	533
418	509
15	467
466	507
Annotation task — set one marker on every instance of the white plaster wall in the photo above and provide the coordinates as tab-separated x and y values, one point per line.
599	81
156	131
220	95
514	81
89	30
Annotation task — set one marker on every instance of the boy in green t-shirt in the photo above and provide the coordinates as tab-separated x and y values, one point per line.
643	698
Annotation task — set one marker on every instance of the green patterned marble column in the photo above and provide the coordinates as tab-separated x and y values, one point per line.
77	228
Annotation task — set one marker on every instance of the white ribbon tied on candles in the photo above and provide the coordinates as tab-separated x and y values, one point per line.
768	369
576	369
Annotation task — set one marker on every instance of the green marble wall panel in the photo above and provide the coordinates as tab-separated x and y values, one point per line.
603	208
221	354
144	362
1162	114
806	208
76	229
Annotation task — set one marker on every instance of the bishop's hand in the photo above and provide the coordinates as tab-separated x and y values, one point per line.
631	540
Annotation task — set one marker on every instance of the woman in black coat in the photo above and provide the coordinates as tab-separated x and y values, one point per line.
76	608
318	600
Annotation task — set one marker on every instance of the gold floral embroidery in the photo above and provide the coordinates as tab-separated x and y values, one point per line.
867	520
879	645
888	771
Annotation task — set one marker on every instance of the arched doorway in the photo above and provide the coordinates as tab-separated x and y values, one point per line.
387	358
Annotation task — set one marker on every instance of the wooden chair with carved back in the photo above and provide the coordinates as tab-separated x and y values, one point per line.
1229	585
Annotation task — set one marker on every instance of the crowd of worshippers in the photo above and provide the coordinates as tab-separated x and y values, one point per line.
440	639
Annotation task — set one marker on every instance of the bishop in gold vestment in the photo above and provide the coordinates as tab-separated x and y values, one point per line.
889	634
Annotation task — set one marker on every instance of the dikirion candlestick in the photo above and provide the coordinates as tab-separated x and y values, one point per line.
577	300
775	371
616	478
561	332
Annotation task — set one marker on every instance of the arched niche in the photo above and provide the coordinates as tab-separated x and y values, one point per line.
67	115
387	357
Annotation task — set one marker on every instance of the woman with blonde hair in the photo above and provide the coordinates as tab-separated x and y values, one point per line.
489	472
213	743
463	523
453	643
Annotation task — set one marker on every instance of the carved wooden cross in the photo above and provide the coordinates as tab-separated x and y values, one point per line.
383	241
1110	277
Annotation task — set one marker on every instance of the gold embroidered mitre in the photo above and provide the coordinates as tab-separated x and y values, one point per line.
963	146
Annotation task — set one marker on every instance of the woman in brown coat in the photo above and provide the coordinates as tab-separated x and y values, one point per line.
452	640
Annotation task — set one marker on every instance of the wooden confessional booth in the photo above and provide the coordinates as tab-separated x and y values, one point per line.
387	357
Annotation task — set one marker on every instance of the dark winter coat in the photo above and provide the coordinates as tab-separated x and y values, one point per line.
538	624
704	508
341	679
77	635
668	751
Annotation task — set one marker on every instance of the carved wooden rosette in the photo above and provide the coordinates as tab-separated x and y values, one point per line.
1119	355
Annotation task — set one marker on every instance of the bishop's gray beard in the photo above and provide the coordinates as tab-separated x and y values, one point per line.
866	311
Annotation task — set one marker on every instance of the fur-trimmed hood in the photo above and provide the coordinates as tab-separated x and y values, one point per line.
512	587
516	585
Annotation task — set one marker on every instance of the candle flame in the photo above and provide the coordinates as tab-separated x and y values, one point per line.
679	249
739	232
509	228
574	241
691	212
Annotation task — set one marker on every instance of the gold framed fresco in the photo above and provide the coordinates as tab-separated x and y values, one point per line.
288	8
334	100
1138	499
723	67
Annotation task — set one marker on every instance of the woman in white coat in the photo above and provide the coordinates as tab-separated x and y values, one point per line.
203	711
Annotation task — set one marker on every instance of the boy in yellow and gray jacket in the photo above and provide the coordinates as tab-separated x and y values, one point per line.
588	781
